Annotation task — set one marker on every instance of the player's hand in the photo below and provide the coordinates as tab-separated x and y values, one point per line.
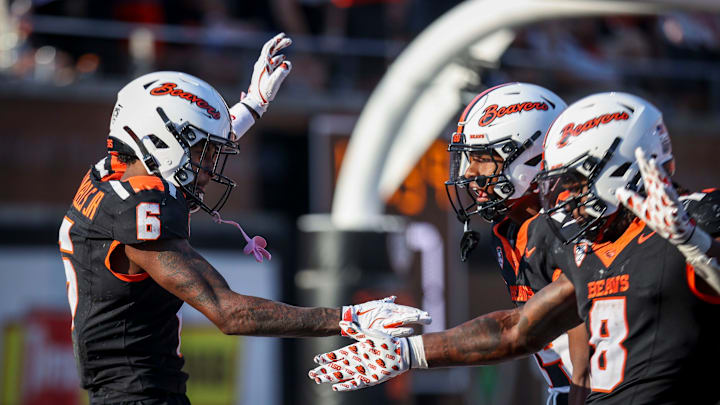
373	359
387	316
269	72
661	209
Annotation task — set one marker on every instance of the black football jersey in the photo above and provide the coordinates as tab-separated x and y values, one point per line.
521	252
653	335
125	328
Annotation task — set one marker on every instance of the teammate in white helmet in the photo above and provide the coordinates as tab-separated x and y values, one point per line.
124	240
495	155
642	278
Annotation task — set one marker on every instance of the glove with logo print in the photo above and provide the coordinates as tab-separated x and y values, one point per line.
374	359
385	315
662	211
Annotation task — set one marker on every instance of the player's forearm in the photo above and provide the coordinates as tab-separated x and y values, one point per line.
254	316
484	340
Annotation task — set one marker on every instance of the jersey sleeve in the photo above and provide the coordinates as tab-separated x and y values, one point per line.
704	208
150	215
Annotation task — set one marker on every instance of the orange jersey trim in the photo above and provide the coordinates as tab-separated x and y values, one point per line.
512	255
117	167
522	238
608	251
129	278
140	183
690	276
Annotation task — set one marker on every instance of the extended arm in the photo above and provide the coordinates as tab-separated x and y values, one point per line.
503	335
178	268
491	338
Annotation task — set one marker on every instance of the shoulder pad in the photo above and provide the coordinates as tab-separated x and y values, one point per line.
704	208
149	208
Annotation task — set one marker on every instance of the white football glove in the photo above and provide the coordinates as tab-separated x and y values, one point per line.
269	72
374	359
662	211
385	315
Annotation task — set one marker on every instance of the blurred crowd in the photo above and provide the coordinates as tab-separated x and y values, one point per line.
339	43
676	55
346	45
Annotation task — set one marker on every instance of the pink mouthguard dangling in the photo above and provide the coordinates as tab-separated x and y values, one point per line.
255	246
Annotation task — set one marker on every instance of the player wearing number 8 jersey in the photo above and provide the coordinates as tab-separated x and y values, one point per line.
124	241
643	278
495	154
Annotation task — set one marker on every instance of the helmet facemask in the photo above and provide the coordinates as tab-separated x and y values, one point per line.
463	191
212	160
568	197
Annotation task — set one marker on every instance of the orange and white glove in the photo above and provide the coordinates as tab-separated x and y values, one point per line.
662	211
269	72
373	359
386	316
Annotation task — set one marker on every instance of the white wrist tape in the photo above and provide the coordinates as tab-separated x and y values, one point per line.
705	267
417	352
243	119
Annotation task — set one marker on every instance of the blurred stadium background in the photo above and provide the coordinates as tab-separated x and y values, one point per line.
62	62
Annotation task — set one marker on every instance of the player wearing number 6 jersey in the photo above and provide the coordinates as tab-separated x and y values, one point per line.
643	278
124	242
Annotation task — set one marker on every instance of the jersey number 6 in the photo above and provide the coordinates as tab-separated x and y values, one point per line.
148	222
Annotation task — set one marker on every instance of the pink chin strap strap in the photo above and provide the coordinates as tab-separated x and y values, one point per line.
255	246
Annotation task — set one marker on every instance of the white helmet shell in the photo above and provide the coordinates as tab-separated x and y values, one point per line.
193	108
512	113
597	136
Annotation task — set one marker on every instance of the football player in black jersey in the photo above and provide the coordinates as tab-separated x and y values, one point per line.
644	279
124	240
495	155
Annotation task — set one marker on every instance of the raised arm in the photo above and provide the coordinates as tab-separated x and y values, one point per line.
178	268
503	335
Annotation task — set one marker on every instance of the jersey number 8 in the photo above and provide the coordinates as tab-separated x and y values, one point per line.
608	330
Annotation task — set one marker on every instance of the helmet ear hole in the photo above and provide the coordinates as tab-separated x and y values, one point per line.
620	171
534	161
158	142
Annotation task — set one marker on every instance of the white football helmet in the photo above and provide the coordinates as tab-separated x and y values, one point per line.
589	153
508	121
158	117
